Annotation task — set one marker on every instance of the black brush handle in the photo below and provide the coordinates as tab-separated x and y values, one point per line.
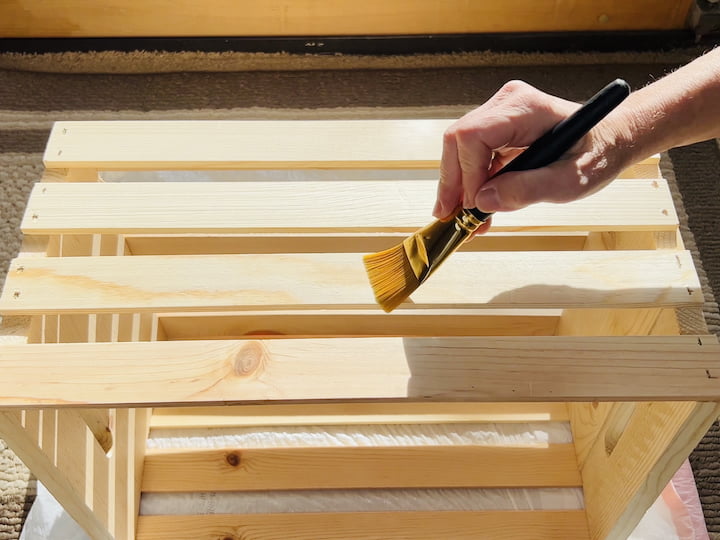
561	138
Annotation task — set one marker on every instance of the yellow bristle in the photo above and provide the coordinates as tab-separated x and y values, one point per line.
391	277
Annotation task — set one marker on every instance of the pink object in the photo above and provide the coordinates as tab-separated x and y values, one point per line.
682	498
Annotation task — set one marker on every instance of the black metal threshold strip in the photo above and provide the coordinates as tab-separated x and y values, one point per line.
559	42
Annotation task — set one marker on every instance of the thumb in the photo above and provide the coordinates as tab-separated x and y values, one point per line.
558	182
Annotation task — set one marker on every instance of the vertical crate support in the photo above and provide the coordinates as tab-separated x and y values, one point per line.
89	459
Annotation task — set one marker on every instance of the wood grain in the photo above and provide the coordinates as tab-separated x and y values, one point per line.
358	323
379	206
470	369
421	525
250	469
370	242
336	280
246	144
621	483
62	467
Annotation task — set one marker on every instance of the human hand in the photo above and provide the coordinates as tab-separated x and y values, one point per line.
483	141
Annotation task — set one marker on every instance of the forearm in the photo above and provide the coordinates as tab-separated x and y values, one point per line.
679	109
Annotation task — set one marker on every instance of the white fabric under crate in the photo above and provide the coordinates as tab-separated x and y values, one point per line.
364	500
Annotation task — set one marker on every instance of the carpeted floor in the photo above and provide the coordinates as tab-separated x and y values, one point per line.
210	86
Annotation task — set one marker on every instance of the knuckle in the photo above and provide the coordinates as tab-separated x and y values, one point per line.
467	135
515	86
449	135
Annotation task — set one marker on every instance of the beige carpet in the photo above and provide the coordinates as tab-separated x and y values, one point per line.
189	85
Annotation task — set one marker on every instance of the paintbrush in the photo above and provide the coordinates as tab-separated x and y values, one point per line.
397	272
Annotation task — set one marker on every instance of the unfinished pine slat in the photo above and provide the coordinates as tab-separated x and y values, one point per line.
251	469
630	240
32	423
324	281
647	168
420	525
307	206
205	244
246	144
318	414
357	323
71	453
224	18
100	489
124	509
471	369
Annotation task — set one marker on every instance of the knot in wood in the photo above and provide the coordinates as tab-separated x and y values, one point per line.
233	459
249	359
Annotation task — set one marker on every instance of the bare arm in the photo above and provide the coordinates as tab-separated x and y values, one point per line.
681	108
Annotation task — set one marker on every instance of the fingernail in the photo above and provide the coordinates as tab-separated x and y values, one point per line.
487	200
438	211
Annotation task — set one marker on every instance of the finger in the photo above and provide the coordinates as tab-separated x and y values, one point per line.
502	158
474	156
558	183
449	189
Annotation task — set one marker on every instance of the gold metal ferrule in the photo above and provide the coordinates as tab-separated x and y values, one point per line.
467	222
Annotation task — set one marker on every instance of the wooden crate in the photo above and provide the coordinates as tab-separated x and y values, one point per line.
136	305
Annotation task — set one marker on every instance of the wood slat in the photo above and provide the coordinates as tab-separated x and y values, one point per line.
324	281
319	206
246	144
442	369
358	323
199	244
421	525
325	414
251	144
258	469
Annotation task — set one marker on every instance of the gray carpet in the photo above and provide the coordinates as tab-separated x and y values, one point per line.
30	101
